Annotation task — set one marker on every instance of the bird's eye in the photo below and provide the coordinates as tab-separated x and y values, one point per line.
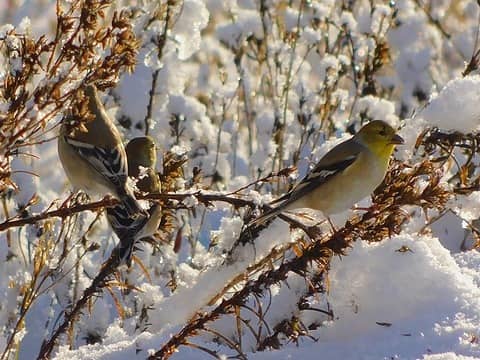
383	132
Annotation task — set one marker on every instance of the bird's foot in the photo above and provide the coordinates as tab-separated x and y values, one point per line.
372	208
66	202
75	197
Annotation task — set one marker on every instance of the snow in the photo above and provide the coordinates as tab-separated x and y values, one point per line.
221	105
247	22
449	110
376	108
177	309
425	281
427	306
193	18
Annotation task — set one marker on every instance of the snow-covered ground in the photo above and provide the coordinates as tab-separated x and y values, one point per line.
221	101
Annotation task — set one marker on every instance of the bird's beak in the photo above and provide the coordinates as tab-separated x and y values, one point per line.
397	140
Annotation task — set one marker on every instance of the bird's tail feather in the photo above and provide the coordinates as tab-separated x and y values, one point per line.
125	251
129	237
268	215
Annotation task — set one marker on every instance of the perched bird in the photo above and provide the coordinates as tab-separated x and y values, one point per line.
94	158
142	157
345	175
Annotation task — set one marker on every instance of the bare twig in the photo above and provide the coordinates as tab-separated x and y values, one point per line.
64	212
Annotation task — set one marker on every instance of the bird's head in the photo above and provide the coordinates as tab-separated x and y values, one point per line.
141	151
379	136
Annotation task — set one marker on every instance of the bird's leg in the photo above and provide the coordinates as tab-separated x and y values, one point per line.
334	229
372	208
313	231
82	197
304	215
75	197
359	208
66	202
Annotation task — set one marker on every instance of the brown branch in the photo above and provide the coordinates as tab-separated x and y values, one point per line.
64	212
319	251
160	41
316	251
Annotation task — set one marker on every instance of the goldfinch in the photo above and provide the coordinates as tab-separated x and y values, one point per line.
94	158
142	157
346	174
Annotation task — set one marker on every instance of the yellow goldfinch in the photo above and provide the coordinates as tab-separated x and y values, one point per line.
142	157
345	175
94	158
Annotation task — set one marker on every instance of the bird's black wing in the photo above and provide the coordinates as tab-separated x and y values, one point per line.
107	162
327	167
